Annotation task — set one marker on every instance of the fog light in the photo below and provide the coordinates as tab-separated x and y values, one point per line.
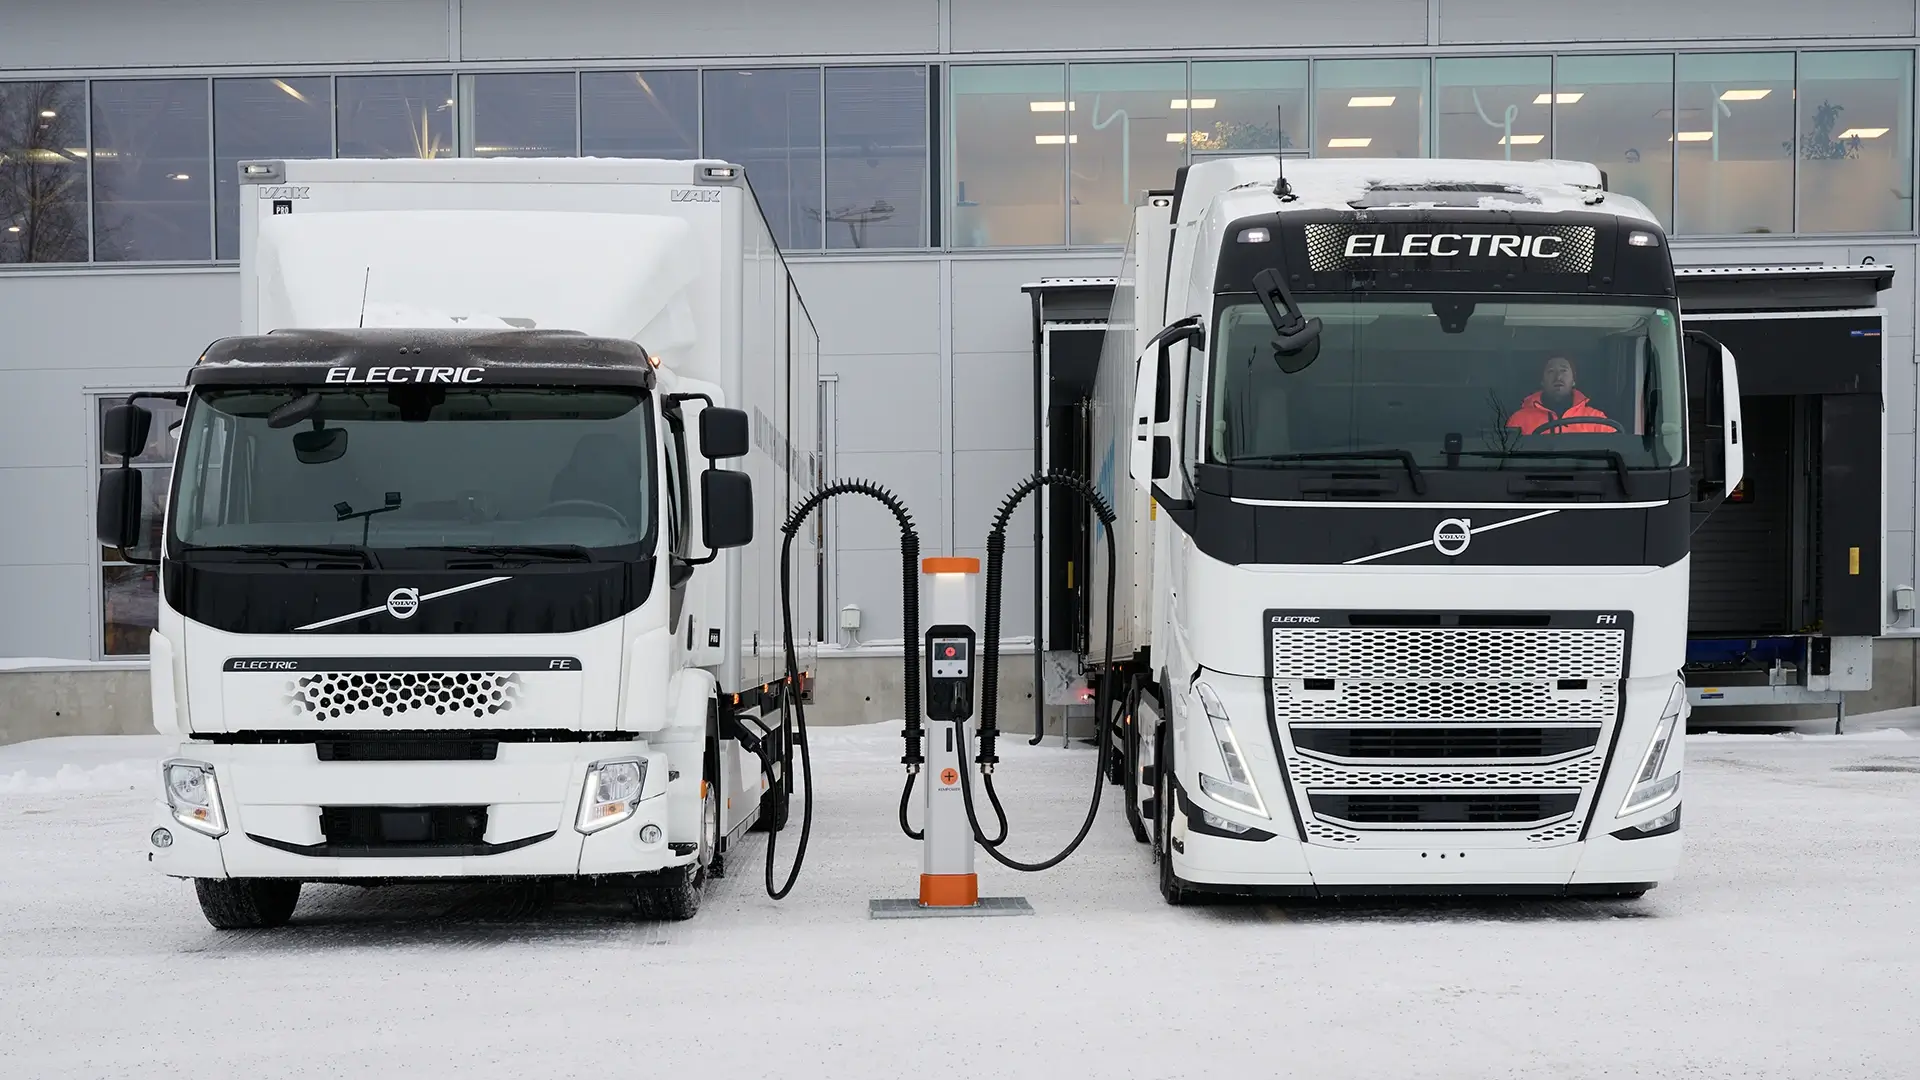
1215	821
650	834
162	838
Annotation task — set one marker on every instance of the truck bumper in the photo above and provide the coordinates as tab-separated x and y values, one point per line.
273	797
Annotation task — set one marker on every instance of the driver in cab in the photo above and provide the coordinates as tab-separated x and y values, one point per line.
1557	402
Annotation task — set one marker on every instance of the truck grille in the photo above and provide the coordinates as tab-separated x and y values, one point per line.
1476	721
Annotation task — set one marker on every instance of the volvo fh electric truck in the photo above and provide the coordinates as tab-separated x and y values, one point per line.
467	568
1403	579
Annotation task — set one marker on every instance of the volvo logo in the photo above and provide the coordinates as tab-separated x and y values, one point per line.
1452	536
402	603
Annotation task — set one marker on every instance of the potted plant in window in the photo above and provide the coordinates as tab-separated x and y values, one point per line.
1825	181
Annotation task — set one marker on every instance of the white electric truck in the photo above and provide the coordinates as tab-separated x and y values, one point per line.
1417	448
453	582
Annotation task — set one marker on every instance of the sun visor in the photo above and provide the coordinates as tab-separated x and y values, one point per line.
610	275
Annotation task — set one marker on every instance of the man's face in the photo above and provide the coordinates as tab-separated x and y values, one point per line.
1556	379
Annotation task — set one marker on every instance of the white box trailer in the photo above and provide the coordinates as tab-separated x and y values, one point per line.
446	589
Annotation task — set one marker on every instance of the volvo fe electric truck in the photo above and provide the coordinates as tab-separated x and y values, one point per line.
1417	449
467	567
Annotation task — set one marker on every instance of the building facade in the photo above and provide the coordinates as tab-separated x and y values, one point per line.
919	159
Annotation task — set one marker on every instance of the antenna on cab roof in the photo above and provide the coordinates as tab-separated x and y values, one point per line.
1281	188
364	284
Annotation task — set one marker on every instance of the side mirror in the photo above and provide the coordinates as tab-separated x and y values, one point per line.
124	431
726	504
723	434
117	513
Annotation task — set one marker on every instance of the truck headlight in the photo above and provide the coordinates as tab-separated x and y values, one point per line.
1237	789
1650	787
193	794
611	794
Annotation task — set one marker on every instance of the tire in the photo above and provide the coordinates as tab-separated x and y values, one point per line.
1172	889
246	903
675	893
1130	763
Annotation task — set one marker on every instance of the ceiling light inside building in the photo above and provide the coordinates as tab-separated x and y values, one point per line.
1055	140
1567	98
1369	102
13	228
1194	103
1349	144
181	176
48	113
1695	136
1176	136
290	91
1050	106
1520	140
1744	95
1862	133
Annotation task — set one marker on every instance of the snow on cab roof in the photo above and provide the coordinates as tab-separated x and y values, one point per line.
1349	184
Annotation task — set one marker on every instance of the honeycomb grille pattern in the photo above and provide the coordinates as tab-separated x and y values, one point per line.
1310	773
1448	655
1443	701
1320	830
1559	834
346	695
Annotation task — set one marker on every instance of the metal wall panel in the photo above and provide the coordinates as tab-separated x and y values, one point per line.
111	320
60	600
993	401
579	29
1476	21
56	34
888	404
981	480
1016	25
877	306
57	530
868	574
991	314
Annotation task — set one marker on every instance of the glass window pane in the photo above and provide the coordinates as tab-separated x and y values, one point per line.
130	599
1856	141
648	114
876	157
43	172
1493	108
522	114
1617	112
1129	129
396	116
1249	105
1370	108
769	121
1009	156
1734	135
263	118
151	194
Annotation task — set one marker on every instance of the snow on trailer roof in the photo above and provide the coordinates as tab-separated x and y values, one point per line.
431	355
1350	184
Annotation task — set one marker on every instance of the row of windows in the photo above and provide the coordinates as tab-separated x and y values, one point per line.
1036	155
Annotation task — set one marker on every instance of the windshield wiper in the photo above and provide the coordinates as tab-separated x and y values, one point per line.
1404	457
544	552
275	551
1613	457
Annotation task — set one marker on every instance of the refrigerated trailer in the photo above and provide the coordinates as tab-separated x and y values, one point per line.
1400	453
470	563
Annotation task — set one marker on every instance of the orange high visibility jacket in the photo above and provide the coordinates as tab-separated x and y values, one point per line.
1532	415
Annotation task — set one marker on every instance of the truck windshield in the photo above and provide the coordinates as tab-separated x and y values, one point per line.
414	467
1598	384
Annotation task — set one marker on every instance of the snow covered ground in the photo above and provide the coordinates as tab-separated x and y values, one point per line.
1789	947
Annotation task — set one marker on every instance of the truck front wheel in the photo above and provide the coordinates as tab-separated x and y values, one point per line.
246	903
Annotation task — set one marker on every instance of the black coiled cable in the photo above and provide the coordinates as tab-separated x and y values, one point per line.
793	722
990	671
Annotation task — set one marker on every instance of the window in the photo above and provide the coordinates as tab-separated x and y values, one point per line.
1734	137
678	535
1498	108
1370	108
129	593
1128	128
395	116
1241	106
1617	112
263	118
1009	156
151	192
43	172
876	157
643	114
769	121
522	114
1856	142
